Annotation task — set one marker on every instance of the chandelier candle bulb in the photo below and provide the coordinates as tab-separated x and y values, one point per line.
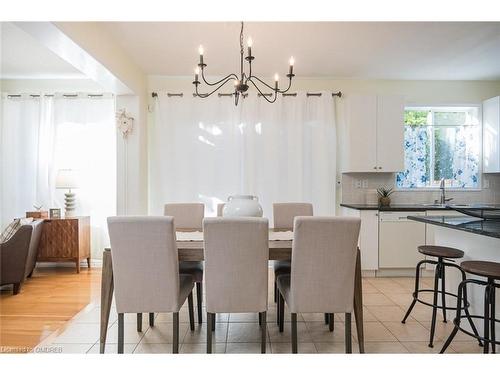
200	50
292	61
249	44
196	72
276	79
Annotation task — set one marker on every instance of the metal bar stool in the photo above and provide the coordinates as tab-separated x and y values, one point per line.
442	253
491	271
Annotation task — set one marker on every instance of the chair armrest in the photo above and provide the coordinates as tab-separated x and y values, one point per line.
13	254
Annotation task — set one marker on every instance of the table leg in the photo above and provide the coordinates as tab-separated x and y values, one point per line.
106	296
358	303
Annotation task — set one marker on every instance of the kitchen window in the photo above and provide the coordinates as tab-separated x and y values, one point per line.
441	142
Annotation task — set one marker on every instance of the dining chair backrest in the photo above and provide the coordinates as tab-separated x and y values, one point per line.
188	216
236	264
220	209
145	263
324	251
284	213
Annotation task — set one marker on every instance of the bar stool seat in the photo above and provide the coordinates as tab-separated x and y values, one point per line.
490	270
441	251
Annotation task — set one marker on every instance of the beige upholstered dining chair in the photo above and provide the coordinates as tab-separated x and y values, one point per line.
324	253
283	214
236	269
188	218
146	270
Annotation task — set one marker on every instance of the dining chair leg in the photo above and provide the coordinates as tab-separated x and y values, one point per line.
263	328
139	322
275	291
214	315
278	308
294	333
327	318
199	299
348	336
281	312
175	333
209	332
191	311
260	320
120	333
331	321
151	319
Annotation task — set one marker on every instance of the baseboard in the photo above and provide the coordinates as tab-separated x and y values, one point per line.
401	272
83	264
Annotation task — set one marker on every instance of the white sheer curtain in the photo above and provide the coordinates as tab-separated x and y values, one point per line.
207	149
41	135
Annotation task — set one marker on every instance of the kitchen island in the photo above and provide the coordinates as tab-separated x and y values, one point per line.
479	239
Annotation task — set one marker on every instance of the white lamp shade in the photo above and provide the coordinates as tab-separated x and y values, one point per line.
66	179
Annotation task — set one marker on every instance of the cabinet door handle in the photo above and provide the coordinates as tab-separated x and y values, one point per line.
379	167
374	167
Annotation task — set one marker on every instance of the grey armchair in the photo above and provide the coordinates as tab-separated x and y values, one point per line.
18	255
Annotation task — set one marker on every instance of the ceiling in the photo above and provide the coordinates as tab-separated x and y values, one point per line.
361	50
22	57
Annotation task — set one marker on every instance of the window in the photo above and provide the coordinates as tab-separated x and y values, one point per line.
441	142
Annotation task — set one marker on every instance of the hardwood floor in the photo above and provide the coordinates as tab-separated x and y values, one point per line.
46	303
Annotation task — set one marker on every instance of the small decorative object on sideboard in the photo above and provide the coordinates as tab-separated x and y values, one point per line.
67	179
55	213
383	196
38	214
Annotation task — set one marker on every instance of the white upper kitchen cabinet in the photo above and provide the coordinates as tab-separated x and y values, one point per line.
491	135
374	134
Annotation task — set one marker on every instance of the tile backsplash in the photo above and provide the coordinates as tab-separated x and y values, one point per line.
361	188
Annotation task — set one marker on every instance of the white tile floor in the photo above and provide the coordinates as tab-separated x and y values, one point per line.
385	302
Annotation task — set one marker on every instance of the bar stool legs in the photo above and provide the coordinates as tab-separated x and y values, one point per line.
489	319
434	304
439	274
415	293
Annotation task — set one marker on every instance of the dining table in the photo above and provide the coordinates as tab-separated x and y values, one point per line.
190	248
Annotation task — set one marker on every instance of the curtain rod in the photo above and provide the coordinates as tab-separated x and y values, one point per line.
339	94
52	95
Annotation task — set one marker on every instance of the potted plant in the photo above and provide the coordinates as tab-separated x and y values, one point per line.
383	196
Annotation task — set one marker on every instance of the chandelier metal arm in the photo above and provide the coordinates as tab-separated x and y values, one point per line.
216	83
263	94
288	88
261	81
210	93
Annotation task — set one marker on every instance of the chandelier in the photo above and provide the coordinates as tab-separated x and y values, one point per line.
243	81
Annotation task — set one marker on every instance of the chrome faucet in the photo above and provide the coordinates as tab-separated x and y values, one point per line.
443	199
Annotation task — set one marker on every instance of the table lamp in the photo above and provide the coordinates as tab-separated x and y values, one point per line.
67	179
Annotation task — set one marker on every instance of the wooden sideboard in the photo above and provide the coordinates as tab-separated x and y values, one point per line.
65	240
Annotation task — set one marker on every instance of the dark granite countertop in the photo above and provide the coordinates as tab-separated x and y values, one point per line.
396	207
490	228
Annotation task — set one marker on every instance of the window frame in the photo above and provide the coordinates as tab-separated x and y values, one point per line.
449	106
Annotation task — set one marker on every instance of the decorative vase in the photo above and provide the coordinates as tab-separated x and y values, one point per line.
242	206
384	201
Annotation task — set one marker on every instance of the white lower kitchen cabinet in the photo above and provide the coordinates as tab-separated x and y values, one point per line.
399	238
368	236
